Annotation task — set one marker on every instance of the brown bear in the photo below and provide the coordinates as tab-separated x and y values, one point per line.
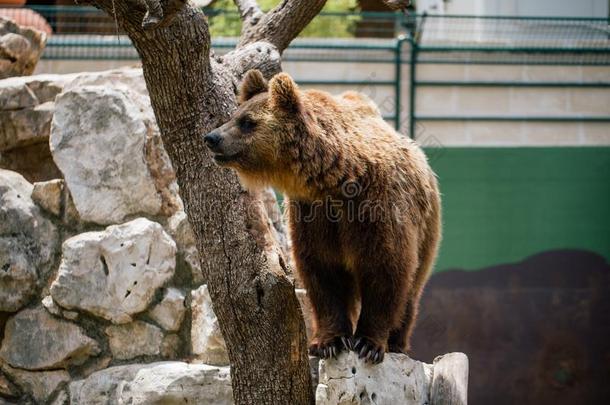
362	203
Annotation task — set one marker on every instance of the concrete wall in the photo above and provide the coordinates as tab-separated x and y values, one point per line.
461	101
556	8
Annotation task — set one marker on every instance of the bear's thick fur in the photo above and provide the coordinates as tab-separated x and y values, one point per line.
362	202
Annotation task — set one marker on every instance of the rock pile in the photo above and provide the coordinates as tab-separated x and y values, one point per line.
98	264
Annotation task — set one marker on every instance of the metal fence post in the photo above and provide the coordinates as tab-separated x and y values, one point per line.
412	85
398	80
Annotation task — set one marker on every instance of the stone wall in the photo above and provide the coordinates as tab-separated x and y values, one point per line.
102	299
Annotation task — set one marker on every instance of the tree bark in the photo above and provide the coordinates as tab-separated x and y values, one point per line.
192	92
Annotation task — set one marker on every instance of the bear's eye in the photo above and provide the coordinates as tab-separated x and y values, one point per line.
246	124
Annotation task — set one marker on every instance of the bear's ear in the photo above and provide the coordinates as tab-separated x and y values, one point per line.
284	93
253	84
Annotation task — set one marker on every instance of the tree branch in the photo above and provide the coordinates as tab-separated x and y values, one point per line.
282	24
249	11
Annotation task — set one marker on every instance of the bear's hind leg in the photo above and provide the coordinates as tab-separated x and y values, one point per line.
399	340
332	295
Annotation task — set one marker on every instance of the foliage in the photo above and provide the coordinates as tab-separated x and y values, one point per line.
225	22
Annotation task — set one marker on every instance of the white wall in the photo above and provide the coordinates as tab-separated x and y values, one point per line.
558	8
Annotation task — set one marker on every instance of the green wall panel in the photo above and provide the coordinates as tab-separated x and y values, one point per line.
504	204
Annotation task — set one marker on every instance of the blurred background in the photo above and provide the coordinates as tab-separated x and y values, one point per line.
511	100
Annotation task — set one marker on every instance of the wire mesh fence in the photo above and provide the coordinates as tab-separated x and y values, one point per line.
513	40
82	32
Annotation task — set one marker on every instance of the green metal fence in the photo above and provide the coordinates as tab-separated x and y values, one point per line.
394	39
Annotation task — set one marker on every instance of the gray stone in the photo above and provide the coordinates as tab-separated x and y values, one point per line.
28	243
20	49
48	195
169	313
114	274
348	380
35	340
18	276
207	343
7	388
41	385
167	383
106	143
63	398
19	128
54	309
134	339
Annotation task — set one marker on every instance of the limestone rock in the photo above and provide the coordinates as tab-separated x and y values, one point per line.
114	274
26	126
106	143
48	195
350	381
54	197
35	340
167	383
7	388
169	313
54	309
18	276
207	343
20	49
63	398
41	385
28	242
134	339
188	256
170	347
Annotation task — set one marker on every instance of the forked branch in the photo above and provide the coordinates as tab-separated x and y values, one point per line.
282	24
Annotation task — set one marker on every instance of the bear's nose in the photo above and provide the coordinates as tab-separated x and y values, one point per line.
212	140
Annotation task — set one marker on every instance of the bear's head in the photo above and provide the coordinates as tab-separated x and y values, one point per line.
262	138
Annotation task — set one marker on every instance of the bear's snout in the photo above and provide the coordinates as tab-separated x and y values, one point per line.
213	140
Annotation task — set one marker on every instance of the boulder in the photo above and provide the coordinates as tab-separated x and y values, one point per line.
26	126
20	49
114	273
134	339
28	243
166	383
36	340
106	143
169	313
40	385
349	380
207	343
26	112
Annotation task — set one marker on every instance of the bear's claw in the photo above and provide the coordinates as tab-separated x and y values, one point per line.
368	350
331	348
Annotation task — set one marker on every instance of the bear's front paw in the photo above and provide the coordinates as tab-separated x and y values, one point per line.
368	350
327	348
